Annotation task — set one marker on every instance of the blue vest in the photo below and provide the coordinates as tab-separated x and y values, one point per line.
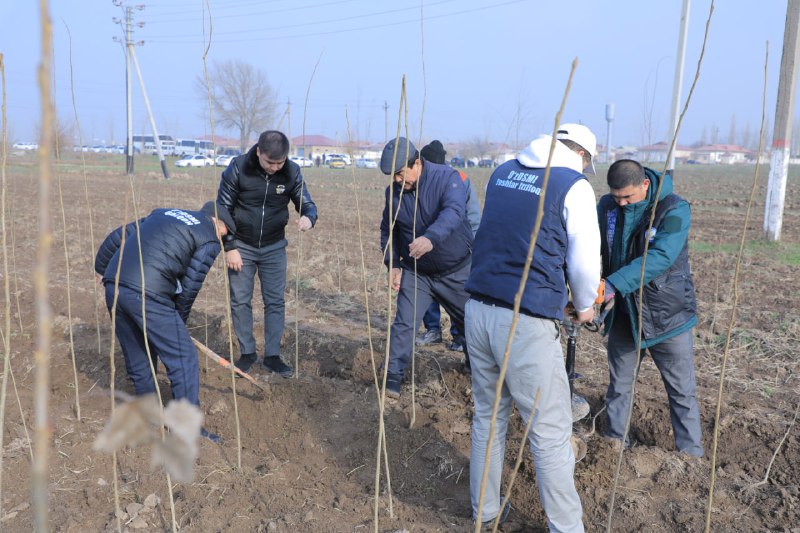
501	244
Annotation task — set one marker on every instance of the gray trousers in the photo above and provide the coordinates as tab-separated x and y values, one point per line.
674	359
536	363
448	291
270	264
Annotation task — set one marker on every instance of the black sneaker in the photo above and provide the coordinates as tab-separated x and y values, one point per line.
431	336
488	525
457	345
213	437
274	363
393	386
246	361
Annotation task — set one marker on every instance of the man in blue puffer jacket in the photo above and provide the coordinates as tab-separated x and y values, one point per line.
668	299
177	248
426	205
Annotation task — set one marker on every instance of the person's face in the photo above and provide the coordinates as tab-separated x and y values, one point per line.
270	166
631	194
408	176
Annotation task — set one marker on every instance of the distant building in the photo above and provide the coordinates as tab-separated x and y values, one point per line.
657	153
726	154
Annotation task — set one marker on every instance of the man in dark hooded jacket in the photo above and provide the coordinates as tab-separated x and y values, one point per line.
668	299
176	249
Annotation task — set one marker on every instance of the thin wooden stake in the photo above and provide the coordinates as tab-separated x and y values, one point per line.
40	275
734	305
66	256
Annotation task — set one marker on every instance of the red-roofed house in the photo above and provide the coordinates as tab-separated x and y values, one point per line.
728	154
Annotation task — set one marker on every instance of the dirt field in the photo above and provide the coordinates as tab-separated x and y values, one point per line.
309	444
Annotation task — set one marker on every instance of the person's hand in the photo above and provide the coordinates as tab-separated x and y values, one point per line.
304	223
397	275
234	260
419	247
609	293
583	317
98	279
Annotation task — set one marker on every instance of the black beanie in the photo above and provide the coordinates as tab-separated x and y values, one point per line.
433	152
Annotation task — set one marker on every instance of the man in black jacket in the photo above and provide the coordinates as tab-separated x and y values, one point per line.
177	249
256	189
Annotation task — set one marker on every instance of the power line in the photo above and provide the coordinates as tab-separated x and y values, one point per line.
317	23
347	30
184	18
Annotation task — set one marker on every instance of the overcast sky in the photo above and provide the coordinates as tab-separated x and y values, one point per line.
485	63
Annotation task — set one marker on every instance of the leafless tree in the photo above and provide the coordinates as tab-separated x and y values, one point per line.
704	137
242	98
714	133
479	147
732	131
747	136
63	135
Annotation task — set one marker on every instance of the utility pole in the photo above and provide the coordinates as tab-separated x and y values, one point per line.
676	88
128	107
131	55
385	121
782	134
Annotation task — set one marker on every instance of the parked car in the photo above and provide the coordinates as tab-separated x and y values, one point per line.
194	161
224	160
343	157
302	161
26	146
366	163
336	163
458	162
486	163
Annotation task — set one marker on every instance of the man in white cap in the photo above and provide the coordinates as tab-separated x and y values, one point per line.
567	250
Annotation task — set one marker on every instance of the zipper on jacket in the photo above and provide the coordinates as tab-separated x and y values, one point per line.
263	211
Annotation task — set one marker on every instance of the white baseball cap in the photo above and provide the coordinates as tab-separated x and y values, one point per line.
580	134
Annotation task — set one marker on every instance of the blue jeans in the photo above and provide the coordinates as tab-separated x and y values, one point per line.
270	264
536	363
167	337
674	359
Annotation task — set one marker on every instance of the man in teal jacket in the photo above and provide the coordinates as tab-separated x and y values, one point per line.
669	309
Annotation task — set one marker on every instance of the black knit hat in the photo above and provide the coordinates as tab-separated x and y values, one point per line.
434	152
222	213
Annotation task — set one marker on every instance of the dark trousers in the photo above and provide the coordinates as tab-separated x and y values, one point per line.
433	320
448	290
167	338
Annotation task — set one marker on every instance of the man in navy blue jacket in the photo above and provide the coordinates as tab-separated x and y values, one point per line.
436	245
566	251
177	248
